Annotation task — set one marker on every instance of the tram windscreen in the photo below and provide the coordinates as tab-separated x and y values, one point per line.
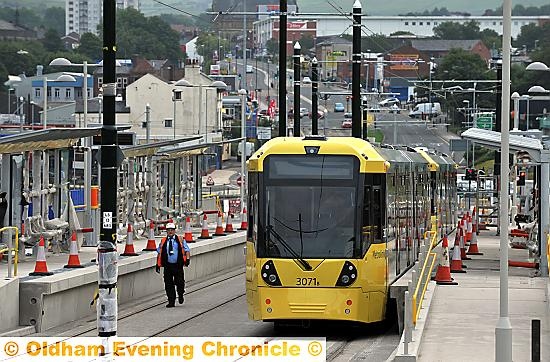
310	206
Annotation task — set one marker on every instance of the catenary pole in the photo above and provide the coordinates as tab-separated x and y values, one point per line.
107	308
297	76
314	96
503	330
282	67
356	72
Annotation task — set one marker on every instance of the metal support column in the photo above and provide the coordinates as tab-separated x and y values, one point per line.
544	210
297	77
314	96
503	330
356	72
282	67
107	304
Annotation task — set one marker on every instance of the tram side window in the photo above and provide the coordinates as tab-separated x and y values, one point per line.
252	206
372	211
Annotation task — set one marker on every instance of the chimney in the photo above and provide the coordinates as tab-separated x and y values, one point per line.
39	70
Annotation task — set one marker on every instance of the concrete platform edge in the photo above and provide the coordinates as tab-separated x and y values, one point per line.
51	301
414	346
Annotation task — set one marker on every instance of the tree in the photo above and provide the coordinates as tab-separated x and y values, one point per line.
54	18
52	41
272	46
461	64
454	31
207	45
91	46
531	34
148	37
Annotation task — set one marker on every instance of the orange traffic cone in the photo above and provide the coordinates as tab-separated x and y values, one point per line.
456	262
204	230
40	268
129	247
188	236
244	221
473	249
74	260
151	242
219	227
229	224
443	274
462	244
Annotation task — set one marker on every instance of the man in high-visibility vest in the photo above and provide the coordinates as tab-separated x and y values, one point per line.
173	255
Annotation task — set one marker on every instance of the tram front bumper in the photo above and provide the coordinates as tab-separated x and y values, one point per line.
350	304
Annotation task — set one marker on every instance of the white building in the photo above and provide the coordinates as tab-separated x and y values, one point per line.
196	112
421	26
84	16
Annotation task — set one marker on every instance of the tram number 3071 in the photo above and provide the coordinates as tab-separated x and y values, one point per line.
307	281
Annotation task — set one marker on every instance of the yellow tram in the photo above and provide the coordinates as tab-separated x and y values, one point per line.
333	222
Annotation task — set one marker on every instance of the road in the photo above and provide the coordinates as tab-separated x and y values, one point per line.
414	133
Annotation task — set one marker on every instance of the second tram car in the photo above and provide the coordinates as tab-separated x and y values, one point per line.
333	222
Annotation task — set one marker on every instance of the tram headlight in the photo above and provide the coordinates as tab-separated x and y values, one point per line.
347	276
269	274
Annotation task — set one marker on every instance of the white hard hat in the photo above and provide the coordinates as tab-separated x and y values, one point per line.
170	225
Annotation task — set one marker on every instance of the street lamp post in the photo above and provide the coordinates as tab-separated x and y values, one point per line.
516	97
63	62
242	93
503	329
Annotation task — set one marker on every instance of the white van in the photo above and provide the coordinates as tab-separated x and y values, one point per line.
249	69
431	109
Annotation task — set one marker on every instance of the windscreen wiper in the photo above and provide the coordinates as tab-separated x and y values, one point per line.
305	265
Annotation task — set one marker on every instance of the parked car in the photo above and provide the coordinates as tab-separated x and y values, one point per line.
339	107
348	115
306	80
346	124
304	112
388	102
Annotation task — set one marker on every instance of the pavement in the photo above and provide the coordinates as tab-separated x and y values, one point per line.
461	322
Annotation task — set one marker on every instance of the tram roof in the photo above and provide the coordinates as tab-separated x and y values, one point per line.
45	139
151	149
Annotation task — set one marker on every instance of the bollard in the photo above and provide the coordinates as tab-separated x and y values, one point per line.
10	247
414	279
407	325
535	340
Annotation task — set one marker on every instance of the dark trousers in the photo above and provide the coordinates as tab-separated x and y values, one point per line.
173	278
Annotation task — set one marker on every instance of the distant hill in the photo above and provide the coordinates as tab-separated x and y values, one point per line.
396	7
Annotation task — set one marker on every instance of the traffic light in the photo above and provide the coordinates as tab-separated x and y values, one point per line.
521	178
471	174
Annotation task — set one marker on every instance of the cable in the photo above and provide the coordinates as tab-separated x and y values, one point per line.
181	11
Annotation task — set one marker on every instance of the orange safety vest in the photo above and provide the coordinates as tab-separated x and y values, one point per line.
181	250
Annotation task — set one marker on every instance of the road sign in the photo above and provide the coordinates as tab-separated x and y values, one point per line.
239	181
264	133
458	145
209	181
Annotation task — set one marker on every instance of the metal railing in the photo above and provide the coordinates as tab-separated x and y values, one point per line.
425	273
10	249
417	286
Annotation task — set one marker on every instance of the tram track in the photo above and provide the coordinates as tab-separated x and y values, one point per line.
158	300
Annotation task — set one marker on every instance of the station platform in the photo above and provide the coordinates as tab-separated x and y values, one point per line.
461	320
